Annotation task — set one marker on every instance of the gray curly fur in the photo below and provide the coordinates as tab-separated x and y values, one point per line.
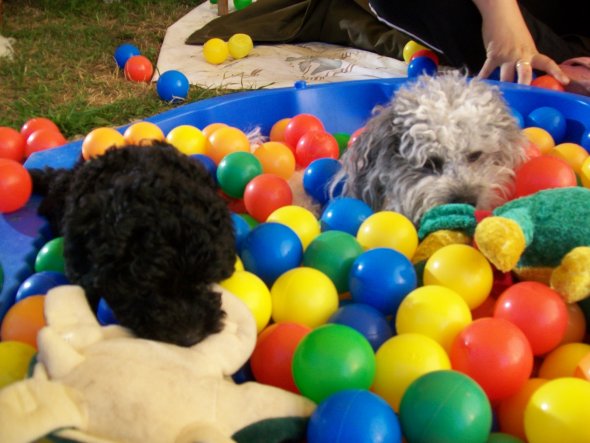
442	139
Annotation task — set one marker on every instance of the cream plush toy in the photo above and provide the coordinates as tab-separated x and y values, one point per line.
102	384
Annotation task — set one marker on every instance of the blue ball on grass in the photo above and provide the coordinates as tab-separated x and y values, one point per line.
124	52
172	86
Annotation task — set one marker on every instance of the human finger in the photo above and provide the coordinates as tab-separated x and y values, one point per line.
487	69
547	65
524	71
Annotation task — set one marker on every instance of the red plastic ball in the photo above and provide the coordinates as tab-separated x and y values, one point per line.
34	124
425	53
538	311
547	82
299	125
266	193
15	185
496	354
543	172
12	144
314	145
43	139
139	69
273	354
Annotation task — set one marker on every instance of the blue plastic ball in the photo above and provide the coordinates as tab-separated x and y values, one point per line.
172	86
518	117
39	283
124	52
271	249
241	229
345	214
382	278
585	141
208	163
354	416
366	319
550	119
317	178
104	313
421	66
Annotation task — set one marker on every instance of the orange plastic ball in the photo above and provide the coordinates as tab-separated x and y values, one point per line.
143	134
226	140
510	411
276	158
563	360
24	320
540	138
211	128
12	144
583	368
572	153
547	82
277	132
576	324
43	139
99	140
36	123
139	69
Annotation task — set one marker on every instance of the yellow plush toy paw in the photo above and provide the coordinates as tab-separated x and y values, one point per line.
571	278
501	241
436	240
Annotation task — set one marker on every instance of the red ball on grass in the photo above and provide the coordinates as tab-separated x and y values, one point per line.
12	144
139	69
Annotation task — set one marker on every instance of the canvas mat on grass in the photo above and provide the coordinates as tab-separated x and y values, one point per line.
268	66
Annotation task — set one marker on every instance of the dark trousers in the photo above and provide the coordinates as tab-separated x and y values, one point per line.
453	27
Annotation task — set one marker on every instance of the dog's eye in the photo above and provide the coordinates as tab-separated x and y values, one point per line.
434	164
474	156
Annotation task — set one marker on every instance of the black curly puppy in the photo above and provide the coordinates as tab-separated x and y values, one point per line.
145	229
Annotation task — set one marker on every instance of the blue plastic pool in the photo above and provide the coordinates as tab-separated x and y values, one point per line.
343	107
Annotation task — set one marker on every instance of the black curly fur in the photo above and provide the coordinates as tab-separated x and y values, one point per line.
145	229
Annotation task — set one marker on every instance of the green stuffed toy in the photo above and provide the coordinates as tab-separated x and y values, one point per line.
101	384
543	237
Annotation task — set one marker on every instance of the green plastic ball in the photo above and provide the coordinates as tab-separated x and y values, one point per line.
445	406
241	4
51	256
235	170
332	358
333	253
342	138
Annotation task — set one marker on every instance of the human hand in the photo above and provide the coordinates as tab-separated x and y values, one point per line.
510	46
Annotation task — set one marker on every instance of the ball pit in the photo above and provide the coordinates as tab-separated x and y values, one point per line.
353	104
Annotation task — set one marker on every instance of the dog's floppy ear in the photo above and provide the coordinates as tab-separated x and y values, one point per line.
366	160
53	185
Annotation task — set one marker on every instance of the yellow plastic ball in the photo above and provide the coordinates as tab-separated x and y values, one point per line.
143	134
276	158
187	139
224	141
410	49
559	411
401	360
540	137
463	269
303	295
240	45
300	220
99	140
215	51
15	358
277	131
388	229
585	173
563	360
239	266
574	154
435	311
253	292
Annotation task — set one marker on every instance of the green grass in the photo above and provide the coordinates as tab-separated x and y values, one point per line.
64	68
